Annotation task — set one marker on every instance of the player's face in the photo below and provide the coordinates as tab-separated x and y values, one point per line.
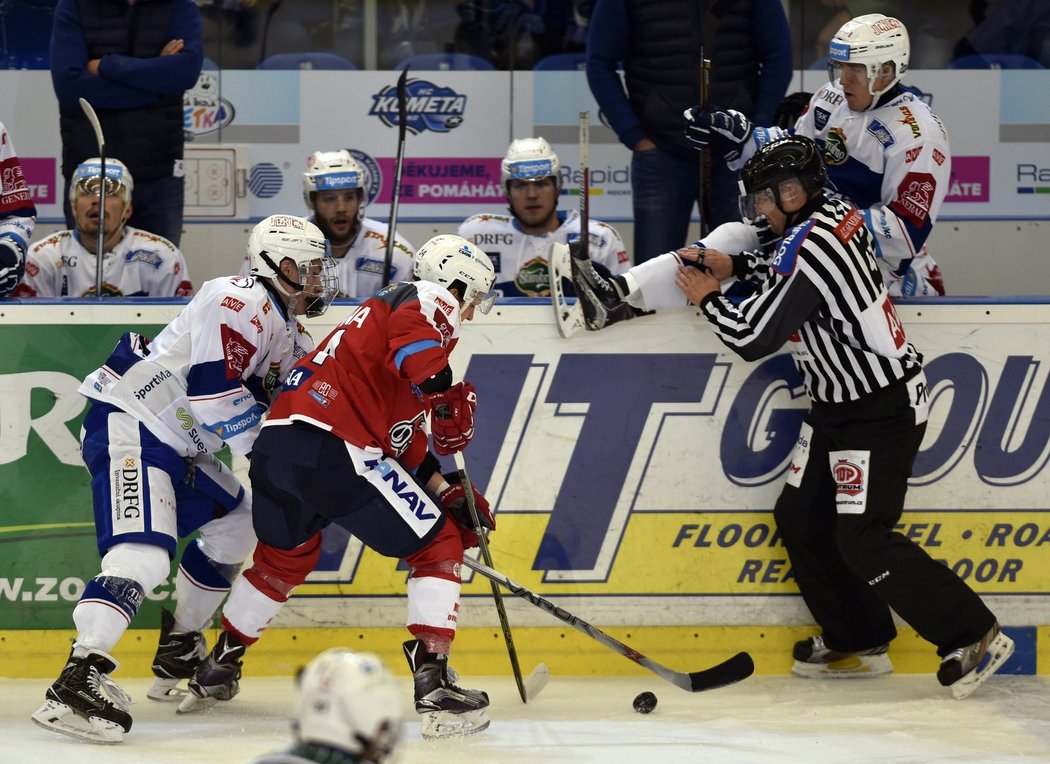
533	203
854	81
85	208
336	213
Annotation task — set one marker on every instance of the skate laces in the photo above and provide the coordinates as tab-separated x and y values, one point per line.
103	686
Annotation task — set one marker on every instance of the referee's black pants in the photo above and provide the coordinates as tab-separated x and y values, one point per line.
845	492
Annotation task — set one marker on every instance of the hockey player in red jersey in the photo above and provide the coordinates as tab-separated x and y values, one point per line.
346	443
160	410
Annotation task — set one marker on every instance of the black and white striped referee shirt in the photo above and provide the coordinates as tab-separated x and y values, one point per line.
822	296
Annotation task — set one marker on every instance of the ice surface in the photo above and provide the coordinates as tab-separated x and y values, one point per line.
905	718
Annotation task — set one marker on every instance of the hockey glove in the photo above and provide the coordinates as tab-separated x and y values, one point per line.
11	269
452	422
723	132
453	500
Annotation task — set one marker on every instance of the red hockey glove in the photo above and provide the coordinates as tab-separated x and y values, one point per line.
454	501
452	423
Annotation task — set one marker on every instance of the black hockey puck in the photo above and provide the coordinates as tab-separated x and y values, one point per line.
645	703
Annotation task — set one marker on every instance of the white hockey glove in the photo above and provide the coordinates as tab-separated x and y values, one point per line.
723	132
12	268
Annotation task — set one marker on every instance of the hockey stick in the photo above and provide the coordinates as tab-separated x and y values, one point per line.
266	29
705	156
734	669
585	183
402	127
483	545
100	254
569	317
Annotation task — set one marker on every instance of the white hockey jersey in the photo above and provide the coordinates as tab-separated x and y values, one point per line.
141	264
894	164
207	379
520	259
361	268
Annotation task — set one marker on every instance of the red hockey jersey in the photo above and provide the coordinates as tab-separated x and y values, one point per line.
361	382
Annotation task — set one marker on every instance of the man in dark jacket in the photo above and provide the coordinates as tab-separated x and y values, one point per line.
658	43
131	60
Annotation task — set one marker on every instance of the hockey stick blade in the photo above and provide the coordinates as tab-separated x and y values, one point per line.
734	669
537	680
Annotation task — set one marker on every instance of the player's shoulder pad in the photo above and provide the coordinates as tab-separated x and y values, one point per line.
786	257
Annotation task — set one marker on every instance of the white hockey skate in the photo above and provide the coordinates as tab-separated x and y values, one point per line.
568	317
966	669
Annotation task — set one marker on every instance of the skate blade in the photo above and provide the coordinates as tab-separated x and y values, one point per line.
439	724
191	704
1000	649
537	680
60	718
853	667
167	691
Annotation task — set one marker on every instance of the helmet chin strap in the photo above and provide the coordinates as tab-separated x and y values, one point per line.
295	285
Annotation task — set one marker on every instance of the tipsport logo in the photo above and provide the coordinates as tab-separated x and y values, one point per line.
428	107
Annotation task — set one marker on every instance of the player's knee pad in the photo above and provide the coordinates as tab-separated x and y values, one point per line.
442	557
228	540
205	572
276	572
128	572
145	564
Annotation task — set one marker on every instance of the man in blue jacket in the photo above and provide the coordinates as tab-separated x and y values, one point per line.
131	60
658	43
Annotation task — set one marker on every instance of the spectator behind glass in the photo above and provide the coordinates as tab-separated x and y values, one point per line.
136	263
17	216
1018	27
658	44
131	61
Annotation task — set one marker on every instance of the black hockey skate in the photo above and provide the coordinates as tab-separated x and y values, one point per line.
178	656
602	295
447	710
815	660
85	703
217	677
966	669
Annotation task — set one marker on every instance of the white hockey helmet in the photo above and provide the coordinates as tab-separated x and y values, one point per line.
287	236
351	702
334	171
872	40
452	261
85	179
530	159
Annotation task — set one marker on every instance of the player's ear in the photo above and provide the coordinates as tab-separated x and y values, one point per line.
127	212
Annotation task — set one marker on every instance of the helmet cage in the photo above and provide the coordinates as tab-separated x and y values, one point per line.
286	236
